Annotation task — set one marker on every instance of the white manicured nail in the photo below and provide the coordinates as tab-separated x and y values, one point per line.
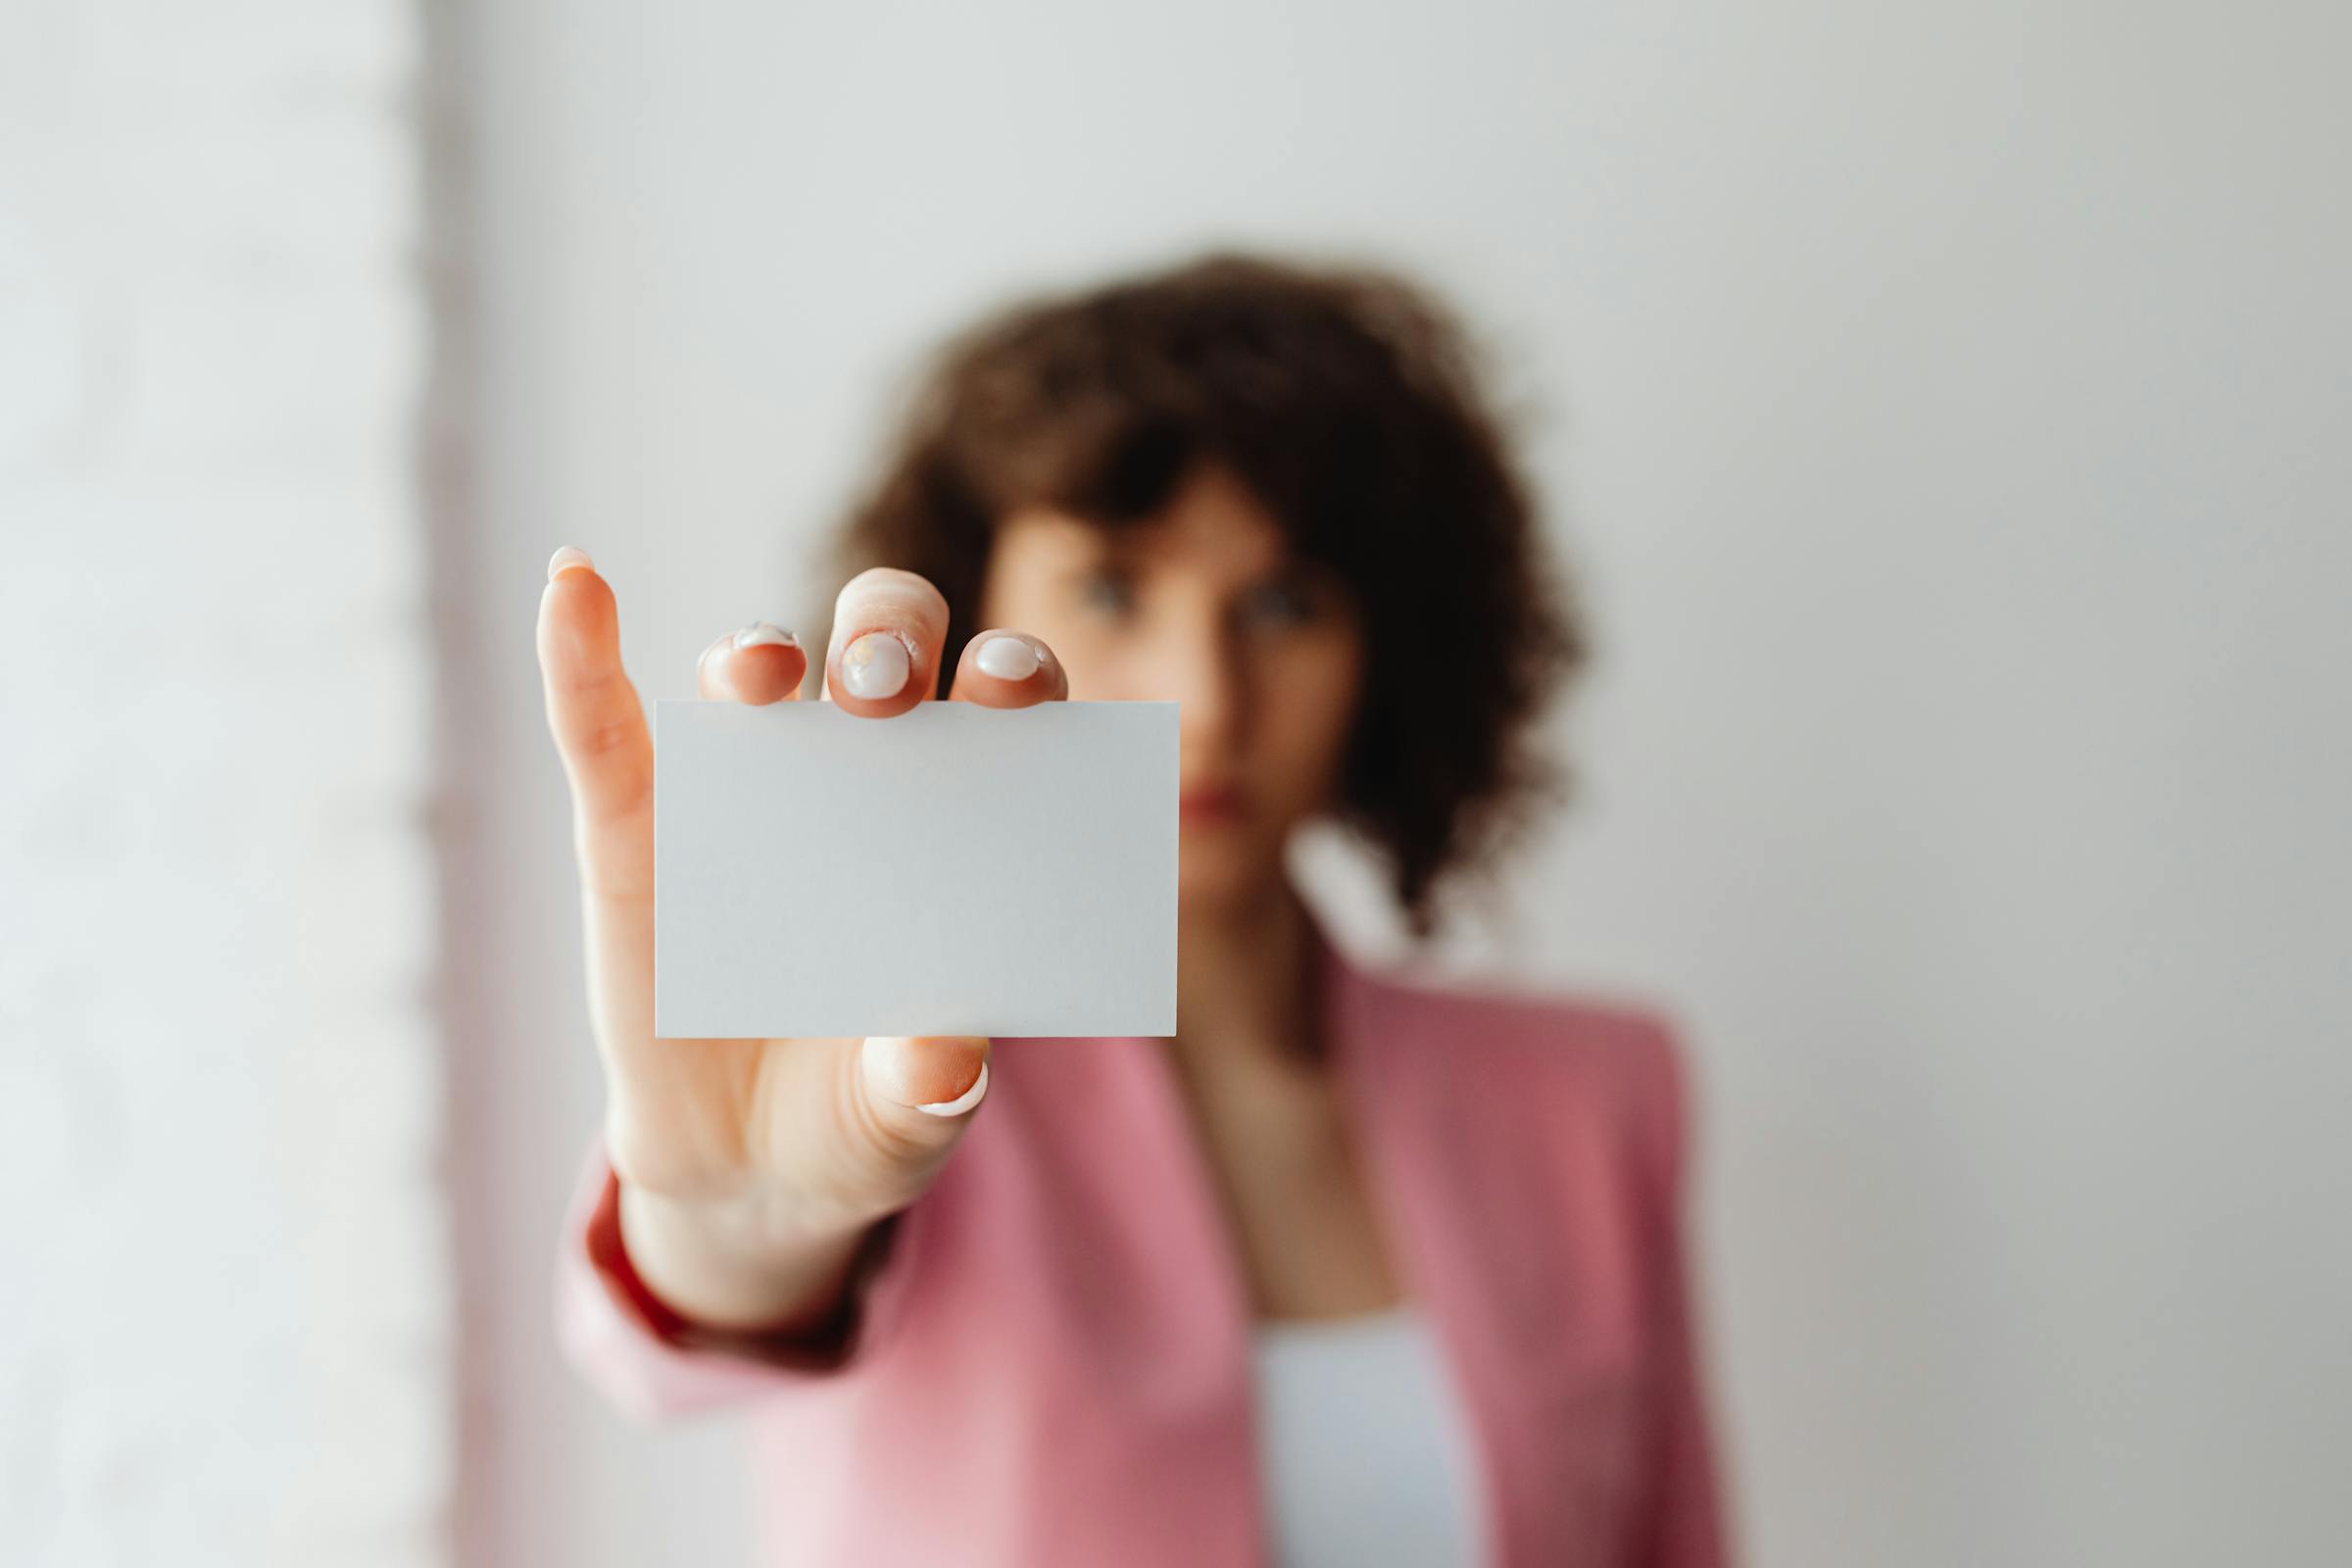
1009	657
875	665
961	1102
565	558
765	635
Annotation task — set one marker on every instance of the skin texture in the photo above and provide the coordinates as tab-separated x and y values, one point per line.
750	1168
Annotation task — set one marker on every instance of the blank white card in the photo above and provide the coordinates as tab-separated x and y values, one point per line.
956	869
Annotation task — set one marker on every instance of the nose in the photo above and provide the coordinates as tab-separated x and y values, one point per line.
1203	671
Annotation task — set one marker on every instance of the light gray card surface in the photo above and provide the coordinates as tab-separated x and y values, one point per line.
955	869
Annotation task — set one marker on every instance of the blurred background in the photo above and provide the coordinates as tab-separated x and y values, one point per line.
1948	410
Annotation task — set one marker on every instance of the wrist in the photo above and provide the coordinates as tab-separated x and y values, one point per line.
739	1266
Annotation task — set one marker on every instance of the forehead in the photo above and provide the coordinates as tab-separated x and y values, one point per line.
1211	522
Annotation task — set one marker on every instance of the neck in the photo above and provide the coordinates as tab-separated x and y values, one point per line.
1244	979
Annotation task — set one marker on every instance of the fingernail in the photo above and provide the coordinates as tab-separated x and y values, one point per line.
765	635
565	558
875	665
961	1102
1009	657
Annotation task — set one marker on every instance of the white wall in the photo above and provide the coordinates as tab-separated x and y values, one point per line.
224	1281
1947	407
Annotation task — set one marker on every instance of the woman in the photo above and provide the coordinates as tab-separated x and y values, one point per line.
1358	1267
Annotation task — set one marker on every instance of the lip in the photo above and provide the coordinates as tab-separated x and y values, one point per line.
1207	804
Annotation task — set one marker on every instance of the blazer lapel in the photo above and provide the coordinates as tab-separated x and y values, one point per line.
1442	1185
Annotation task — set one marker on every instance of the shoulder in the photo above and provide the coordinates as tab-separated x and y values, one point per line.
1595	1055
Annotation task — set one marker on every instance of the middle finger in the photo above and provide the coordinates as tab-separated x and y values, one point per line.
888	627
759	664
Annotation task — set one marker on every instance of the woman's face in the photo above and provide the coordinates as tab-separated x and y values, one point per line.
1202	604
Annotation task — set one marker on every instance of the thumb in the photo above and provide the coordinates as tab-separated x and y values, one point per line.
923	1089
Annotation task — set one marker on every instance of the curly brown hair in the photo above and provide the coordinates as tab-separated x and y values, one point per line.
1348	402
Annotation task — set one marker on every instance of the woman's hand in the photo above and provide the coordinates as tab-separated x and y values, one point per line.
751	1168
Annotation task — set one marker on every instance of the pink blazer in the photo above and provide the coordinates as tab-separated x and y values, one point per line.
1048	1361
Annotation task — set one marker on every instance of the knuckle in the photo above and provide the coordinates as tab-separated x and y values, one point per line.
603	738
897	582
900	1150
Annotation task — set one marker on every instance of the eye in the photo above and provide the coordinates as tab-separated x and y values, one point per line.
1279	602
1108	590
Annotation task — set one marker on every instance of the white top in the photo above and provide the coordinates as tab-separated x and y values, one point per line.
1367	1458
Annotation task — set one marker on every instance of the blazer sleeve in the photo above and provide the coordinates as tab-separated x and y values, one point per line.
653	1363
1685	1525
